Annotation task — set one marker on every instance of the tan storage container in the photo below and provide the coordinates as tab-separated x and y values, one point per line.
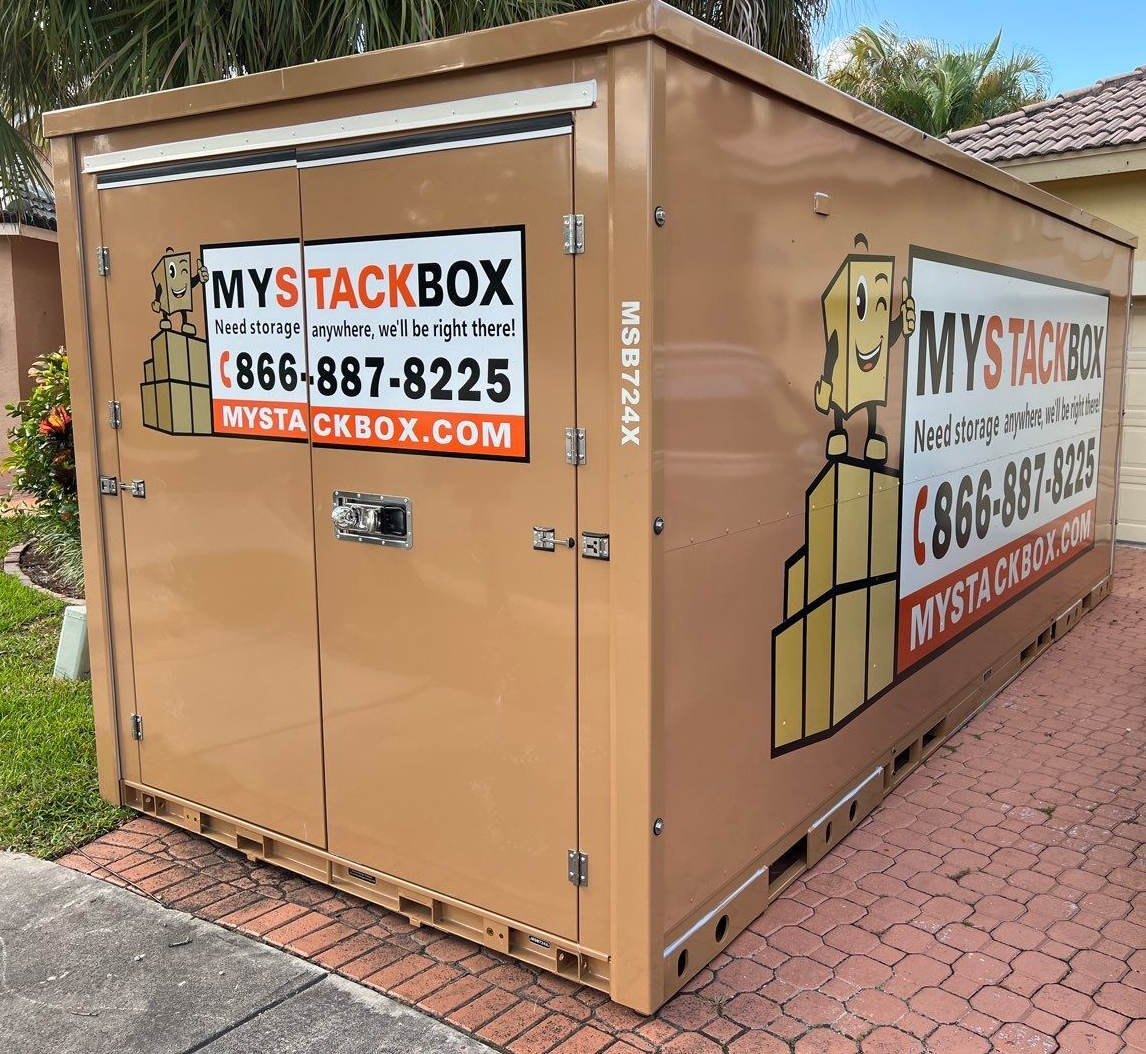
702	448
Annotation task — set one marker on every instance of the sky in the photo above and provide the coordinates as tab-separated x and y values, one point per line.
1082	43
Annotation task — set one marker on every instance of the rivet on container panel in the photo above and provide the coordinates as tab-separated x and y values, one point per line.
660	216
658	826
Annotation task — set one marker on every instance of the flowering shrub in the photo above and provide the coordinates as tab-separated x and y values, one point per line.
57	423
42	458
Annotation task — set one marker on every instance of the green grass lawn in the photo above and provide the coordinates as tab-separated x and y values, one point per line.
48	797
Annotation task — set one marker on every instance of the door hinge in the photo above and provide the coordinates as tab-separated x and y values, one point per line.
574	446
136	726
109	485
573	226
103	259
578	868
114	413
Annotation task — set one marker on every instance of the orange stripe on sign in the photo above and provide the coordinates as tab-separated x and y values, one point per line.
949	606
271	420
432	431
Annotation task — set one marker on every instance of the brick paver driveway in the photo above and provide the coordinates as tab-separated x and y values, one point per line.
996	900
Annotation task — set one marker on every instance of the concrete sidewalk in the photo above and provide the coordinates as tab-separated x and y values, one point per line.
90	968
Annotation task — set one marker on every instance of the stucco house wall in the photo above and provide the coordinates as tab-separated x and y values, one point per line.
1088	146
1121	198
31	312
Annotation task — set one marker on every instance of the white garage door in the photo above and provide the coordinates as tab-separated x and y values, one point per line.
1132	482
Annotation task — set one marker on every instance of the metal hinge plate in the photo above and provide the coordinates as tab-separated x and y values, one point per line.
545	539
103	259
574	446
136	726
114	413
109	485
578	868
573	228
136	488
594	546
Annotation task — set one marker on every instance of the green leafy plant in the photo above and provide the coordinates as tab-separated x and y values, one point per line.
61	542
42	462
56	53
935	87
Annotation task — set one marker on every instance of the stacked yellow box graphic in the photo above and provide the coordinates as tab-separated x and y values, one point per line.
835	650
176	386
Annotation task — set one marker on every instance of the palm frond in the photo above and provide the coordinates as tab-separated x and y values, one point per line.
21	168
934	87
56	53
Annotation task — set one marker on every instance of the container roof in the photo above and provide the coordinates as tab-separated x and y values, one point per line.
577	31
1107	114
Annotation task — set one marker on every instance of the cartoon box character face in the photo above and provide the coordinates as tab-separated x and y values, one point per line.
857	317
172	276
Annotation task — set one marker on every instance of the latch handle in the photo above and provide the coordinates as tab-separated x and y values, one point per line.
376	518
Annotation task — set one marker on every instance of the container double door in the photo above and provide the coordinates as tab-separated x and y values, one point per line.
344	382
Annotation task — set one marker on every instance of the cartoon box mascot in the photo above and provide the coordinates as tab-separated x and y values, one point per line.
859	331
176	387
173	284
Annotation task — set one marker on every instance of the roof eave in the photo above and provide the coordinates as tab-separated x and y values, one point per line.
1077	164
15	229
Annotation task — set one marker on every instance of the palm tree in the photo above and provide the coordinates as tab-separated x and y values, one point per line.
56	53
932	86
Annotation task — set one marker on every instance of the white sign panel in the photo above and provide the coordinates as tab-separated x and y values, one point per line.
418	343
257	350
1003	395
414	343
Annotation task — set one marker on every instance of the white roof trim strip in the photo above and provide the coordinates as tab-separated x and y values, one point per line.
576	96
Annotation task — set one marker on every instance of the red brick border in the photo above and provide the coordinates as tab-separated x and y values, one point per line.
996	900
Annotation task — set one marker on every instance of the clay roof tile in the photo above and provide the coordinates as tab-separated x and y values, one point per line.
1110	112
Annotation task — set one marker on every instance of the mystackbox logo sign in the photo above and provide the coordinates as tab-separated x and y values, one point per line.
1002	437
1001	441
410	343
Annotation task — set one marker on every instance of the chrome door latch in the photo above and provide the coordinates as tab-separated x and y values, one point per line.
594	546
545	540
378	519
110	485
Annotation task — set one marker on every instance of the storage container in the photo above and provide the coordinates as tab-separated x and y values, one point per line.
553	482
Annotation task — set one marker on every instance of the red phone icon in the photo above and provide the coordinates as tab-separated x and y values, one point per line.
920	504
